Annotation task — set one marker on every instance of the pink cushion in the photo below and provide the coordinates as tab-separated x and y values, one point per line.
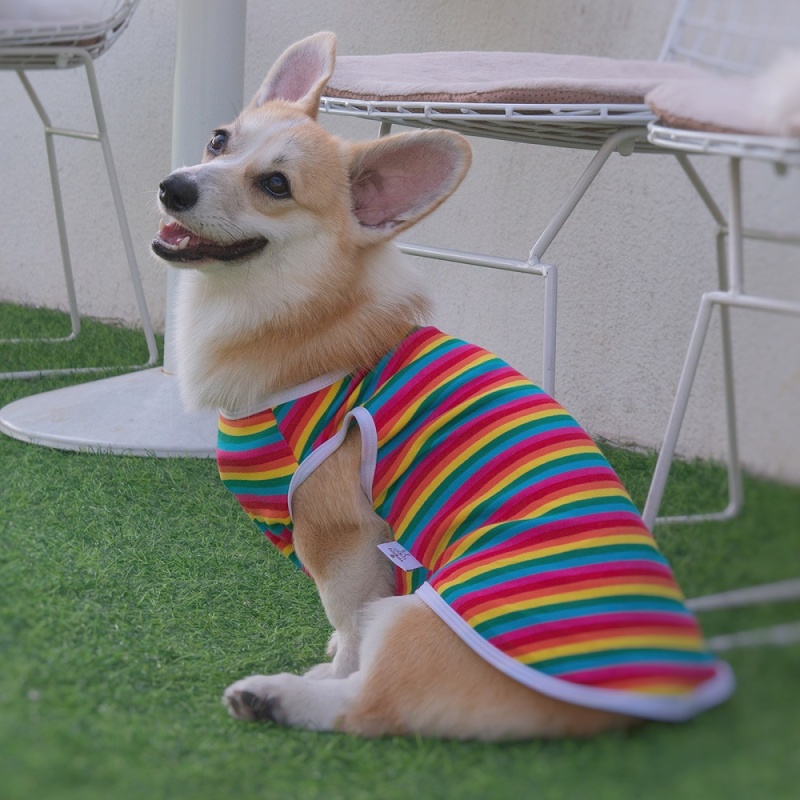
487	77
721	105
760	106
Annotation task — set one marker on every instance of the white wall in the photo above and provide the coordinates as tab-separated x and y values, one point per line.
633	260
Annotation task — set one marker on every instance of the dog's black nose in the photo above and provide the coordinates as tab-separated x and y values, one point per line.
178	192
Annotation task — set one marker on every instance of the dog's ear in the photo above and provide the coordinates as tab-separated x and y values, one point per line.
396	181
300	73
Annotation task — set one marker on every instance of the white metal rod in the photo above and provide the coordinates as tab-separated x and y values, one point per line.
549	336
61	224
102	137
69	133
778	592
681	401
48	340
58	205
701	189
667	453
547	271
44	373
735	483
34	98
771	236
119	207
735	271
728	513
473	259
579	190
777	636
755	303
672	33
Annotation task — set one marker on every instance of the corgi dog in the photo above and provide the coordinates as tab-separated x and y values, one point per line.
485	573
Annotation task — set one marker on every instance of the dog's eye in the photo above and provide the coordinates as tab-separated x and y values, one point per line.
276	184
218	142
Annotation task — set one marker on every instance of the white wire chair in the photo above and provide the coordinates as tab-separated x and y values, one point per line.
45	46
730	37
697	136
730	294
737	41
604	127
723	36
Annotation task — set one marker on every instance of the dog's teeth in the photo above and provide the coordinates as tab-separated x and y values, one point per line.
183	243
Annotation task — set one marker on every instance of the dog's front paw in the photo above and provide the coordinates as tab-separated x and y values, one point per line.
290	700
254	699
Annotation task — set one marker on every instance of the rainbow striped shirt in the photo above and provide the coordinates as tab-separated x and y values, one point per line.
531	549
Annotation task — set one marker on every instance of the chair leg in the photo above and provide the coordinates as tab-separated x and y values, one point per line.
735	483
734	469
122	219
59	210
550	273
665	457
533	265
618	141
102	137
727	278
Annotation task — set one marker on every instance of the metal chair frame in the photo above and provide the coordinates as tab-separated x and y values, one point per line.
605	128
709	34
63	47
730	294
714	34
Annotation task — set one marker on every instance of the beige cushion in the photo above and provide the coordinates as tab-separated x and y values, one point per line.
768	105
721	105
488	77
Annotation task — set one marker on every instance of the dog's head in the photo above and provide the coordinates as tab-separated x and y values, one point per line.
273	180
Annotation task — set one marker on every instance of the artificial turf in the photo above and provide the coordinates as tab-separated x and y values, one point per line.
133	590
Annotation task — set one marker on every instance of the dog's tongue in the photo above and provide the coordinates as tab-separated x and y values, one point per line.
173	233
176	243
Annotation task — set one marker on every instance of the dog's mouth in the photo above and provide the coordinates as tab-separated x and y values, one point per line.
176	243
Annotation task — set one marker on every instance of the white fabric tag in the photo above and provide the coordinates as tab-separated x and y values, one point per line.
399	556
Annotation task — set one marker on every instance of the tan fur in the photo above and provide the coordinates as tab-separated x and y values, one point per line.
333	520
425	680
328	292
340	332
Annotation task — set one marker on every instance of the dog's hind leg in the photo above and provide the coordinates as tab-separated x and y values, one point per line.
416	677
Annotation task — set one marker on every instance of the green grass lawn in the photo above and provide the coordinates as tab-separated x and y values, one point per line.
133	590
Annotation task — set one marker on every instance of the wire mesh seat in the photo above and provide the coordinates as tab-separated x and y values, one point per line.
40	45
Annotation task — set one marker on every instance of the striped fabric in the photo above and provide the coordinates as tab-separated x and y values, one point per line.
531	549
